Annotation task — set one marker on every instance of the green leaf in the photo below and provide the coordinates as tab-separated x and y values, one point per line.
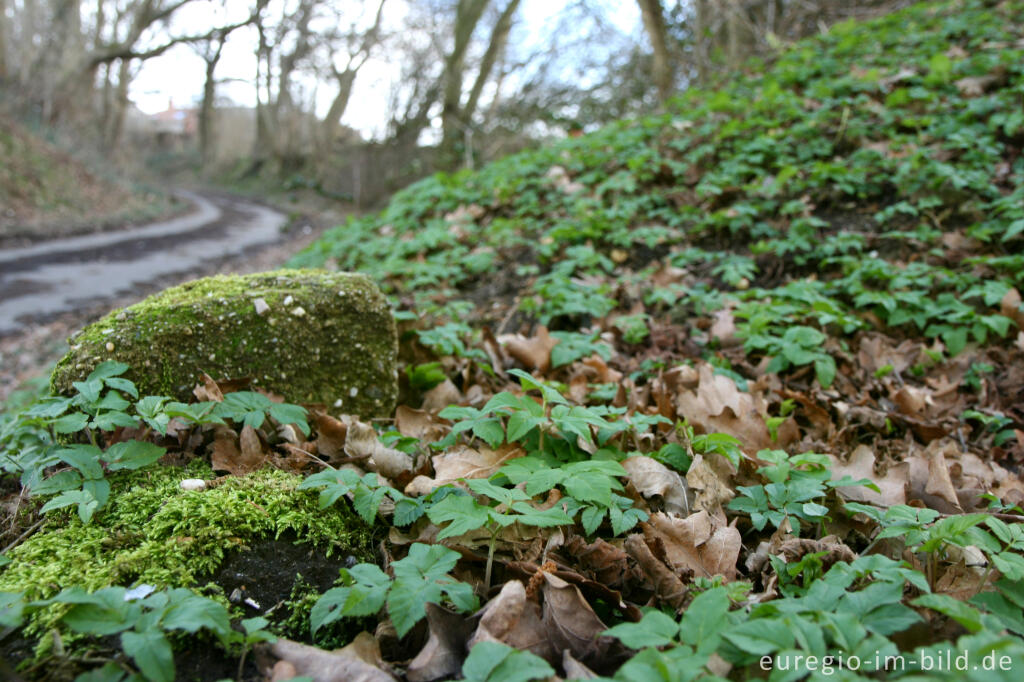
705	619
520	424
654	629
407	603
496	662
285	413
364	597
959	611
104	612
108	421
591	519
366	501
122	384
89	390
71	423
151	652
825	370
84	458
462	513
761	636
107	369
490	431
132	454
366	594
420	578
12	606
191	613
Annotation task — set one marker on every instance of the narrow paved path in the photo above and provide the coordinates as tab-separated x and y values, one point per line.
44	280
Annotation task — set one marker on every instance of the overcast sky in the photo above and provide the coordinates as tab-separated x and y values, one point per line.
178	74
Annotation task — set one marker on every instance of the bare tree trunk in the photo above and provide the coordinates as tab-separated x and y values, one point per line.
701	51
467	16
205	123
496	46
4	39
114	125
732	24
329	127
661	68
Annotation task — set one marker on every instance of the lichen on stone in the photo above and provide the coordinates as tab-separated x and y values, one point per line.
340	351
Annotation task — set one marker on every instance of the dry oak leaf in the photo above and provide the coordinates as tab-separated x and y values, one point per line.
237	457
571	624
445	650
876	351
463	462
1010	307
698	543
930	481
330	435
441	396
419	424
360	661
534	352
651	478
717	405
667	584
710	485
892	485
362	442
512	619
603	561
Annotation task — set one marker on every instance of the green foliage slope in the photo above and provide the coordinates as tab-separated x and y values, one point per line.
852	151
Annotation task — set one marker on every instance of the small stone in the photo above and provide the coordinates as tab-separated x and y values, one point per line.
212	357
260	305
109	347
353	392
299	311
193	484
288	300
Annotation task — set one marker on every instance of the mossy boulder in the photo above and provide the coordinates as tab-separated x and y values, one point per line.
308	335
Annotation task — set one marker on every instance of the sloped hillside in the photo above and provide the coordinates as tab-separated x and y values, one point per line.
44	192
825	256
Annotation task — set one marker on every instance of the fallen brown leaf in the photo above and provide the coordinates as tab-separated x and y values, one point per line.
512	619
892	485
463	462
698	543
571	624
360	661
651	478
534	352
717	405
445	650
362	442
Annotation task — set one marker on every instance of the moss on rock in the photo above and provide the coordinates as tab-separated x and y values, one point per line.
154	532
309	335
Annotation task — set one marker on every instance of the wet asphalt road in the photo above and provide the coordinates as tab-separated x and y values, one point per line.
50	278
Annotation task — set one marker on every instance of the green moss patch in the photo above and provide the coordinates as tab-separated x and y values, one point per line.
156	533
310	336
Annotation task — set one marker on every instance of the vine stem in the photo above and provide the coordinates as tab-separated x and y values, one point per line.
490	558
